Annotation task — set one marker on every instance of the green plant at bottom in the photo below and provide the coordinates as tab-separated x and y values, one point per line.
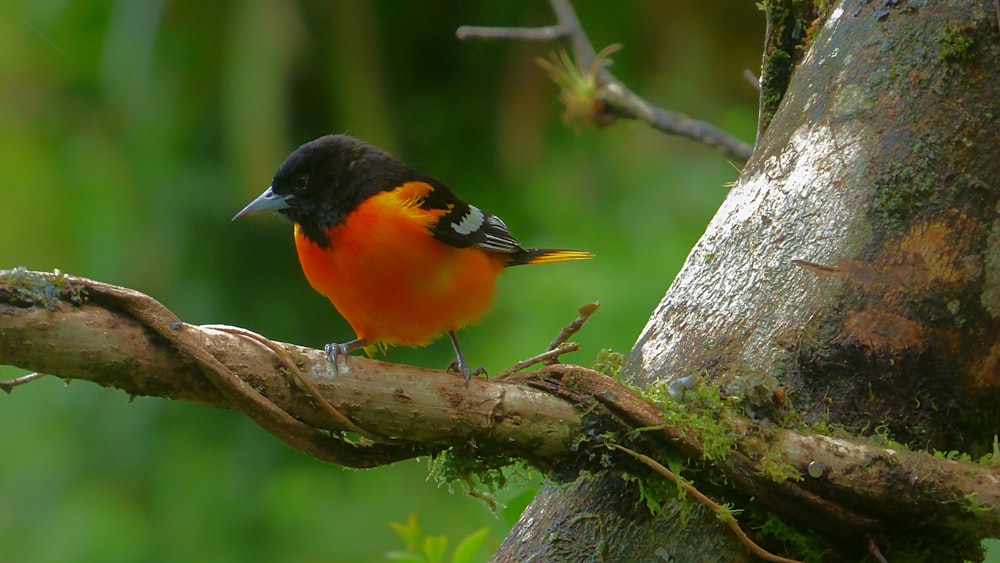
432	549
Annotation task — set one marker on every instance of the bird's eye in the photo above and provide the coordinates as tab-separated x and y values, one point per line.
300	182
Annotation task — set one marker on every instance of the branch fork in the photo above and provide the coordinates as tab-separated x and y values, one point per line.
617	100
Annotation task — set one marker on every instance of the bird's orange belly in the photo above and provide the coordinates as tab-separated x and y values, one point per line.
392	281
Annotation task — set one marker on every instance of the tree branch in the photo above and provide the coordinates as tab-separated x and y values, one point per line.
117	337
618	100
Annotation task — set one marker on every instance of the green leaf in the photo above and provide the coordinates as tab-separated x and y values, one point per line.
435	548
410	532
468	548
408	556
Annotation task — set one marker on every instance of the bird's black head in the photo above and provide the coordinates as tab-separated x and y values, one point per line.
320	183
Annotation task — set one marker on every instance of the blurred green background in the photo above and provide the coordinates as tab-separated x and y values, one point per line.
132	131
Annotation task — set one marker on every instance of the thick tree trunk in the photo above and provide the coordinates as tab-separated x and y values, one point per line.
852	277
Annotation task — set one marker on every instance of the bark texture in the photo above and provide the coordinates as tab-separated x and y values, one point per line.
852	277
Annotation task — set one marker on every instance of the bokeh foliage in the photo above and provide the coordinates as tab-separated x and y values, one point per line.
130	133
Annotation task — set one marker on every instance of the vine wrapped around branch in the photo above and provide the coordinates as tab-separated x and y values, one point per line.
116	337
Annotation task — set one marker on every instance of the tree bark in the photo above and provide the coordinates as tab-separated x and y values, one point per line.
851	280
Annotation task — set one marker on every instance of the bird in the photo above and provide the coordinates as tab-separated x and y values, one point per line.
396	252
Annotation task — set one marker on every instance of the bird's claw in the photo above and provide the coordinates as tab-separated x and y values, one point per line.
334	352
461	367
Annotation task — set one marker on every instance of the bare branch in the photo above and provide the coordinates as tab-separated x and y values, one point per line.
8	386
876	552
618	100
558	346
547	33
547	357
572	328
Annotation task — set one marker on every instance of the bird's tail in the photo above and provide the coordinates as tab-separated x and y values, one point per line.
545	256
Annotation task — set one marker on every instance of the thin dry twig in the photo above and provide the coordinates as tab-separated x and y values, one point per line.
618	99
558	346
547	357
872	546
705	500
572	328
546	33
9	385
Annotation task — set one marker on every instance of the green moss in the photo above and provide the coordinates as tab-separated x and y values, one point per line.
610	363
700	412
955	43
654	492
900	193
772	530
774	468
972	505
883	438
789	25
992	458
726	513
952	455
475	470
24	288
759	393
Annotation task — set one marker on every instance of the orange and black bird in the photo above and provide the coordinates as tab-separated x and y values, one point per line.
399	255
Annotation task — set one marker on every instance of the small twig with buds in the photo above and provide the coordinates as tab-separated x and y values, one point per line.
594	96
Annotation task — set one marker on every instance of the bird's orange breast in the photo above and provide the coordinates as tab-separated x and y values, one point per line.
390	279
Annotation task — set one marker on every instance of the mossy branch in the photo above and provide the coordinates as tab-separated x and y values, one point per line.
116	337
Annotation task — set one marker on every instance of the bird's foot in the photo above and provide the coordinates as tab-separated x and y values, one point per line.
457	366
336	351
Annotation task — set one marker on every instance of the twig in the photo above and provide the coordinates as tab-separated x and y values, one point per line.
618	99
558	346
572	328
873	547
584	49
9	385
711	504
546	357
547	33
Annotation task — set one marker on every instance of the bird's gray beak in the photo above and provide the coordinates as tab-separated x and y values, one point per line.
267	201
